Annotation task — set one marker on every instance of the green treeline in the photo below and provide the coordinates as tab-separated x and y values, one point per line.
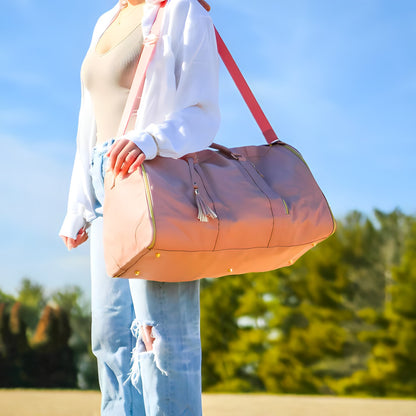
45	339
341	320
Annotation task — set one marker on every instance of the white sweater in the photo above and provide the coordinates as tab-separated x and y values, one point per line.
179	111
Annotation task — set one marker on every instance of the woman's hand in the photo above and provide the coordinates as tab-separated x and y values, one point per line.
82	237
125	157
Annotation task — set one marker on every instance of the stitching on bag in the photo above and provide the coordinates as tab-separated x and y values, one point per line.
264	193
317	241
132	262
264	182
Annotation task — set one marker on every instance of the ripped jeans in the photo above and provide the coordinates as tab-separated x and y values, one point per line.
165	381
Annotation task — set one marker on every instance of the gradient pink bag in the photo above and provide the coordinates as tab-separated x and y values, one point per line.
215	212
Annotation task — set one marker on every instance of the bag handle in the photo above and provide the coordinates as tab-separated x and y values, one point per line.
149	45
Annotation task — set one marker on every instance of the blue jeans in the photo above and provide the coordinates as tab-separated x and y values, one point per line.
133	381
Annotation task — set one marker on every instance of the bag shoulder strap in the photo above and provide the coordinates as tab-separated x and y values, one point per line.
248	96
149	45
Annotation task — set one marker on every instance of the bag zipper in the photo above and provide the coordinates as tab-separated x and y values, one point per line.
295	152
150	205
286	207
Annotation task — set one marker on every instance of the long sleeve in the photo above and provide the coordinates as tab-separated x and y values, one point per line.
74	219
80	208
194	117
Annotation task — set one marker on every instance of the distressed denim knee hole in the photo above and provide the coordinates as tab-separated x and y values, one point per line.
140	349
147	336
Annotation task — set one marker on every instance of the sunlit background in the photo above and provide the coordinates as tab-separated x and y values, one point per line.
337	80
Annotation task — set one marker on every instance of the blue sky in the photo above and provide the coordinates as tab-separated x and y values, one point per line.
337	80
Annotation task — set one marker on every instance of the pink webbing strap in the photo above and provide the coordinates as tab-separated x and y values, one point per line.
245	91
136	89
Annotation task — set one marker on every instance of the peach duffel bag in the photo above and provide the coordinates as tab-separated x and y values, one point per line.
212	213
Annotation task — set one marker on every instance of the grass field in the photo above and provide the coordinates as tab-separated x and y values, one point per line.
71	403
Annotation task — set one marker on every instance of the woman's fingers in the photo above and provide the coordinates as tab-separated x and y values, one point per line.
82	237
115	151
140	159
124	157
65	240
128	161
70	243
121	159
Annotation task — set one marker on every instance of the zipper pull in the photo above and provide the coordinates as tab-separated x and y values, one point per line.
204	211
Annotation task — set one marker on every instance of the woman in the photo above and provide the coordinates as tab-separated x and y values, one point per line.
145	334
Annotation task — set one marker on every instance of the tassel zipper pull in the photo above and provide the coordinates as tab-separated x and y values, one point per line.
204	211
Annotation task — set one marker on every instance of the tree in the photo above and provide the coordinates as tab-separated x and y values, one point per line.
19	354
71	300
53	358
237	370
391	369
308	316
32	298
5	340
219	301
6	299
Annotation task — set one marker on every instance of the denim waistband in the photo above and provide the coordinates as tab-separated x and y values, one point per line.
101	148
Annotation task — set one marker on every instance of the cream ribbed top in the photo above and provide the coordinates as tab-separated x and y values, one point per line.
108	77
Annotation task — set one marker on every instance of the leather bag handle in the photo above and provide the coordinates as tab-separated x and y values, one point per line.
149	45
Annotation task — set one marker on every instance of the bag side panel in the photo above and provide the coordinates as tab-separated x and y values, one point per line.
309	218
127	225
